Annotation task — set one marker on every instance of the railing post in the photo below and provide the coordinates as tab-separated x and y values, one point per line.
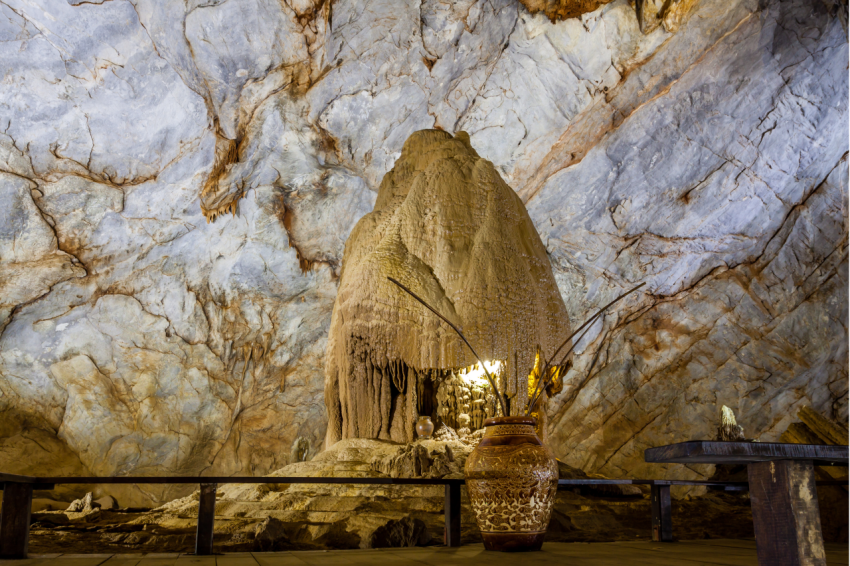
15	520
662	520
206	519
452	510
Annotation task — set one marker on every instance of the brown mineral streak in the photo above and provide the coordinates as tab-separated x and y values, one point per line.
557	10
449	228
213	201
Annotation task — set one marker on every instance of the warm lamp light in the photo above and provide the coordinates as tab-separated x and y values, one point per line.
474	374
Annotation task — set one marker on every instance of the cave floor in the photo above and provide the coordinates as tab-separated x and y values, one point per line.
718	551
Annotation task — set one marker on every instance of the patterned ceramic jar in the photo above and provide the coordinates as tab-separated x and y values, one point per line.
511	479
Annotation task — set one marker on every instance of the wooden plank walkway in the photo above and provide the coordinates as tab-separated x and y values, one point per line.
686	553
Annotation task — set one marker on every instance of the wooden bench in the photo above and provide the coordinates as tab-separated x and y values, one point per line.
783	493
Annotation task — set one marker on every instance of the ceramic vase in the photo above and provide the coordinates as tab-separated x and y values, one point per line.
511	478
424	427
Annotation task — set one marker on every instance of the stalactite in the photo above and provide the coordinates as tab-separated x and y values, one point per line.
397	427
386	404
410	408
372	401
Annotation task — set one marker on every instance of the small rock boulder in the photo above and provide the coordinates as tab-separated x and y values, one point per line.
106	502
401	533
269	534
83	505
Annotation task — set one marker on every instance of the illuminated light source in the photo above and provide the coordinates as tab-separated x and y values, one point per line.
474	374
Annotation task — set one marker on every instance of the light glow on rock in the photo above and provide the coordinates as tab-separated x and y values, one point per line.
474	374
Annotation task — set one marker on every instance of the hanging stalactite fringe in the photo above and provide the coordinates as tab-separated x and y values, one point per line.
490	379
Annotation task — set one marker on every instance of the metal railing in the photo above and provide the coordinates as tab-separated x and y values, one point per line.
17	502
16	509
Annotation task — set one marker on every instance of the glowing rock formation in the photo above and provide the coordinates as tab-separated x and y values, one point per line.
448	227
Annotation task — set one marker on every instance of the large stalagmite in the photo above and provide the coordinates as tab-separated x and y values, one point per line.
447	226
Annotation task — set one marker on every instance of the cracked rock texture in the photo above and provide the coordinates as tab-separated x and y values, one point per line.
136	337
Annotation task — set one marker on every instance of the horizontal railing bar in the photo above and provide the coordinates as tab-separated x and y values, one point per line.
34	486
48	482
19	479
648	482
223	480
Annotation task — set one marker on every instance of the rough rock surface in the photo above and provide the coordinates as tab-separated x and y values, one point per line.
136	337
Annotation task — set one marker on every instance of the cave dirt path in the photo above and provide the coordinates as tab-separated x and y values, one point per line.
684	553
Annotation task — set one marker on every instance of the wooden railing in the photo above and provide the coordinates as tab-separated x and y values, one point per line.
17	501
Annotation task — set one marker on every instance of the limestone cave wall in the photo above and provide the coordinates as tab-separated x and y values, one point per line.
178	180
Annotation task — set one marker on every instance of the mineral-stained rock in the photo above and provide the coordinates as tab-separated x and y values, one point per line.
650	13
31	262
676	13
657	378
653	13
562	9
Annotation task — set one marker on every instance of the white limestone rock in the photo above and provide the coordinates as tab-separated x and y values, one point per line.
135	337
30	262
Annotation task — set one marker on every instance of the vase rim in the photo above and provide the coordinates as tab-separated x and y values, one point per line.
492	421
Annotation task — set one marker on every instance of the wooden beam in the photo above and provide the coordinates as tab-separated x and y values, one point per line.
452	511
15	520
715	452
786	518
206	520
662	516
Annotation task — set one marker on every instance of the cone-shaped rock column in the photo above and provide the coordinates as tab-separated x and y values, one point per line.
448	227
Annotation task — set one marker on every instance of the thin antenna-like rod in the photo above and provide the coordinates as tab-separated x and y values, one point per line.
564	359
462	337
591	319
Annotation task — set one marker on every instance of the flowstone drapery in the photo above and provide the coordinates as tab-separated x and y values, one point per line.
447	226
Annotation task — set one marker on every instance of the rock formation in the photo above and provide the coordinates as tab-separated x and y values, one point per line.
813	428
709	163
447	227
562	9
729	429
650	13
